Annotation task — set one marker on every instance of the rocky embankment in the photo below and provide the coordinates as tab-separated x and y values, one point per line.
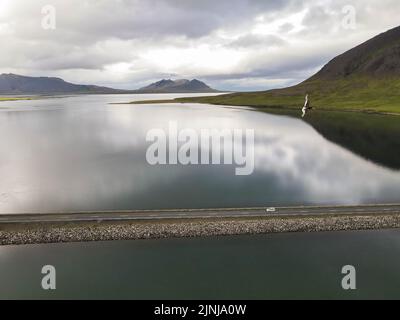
104	231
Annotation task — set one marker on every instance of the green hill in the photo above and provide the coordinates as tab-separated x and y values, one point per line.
365	78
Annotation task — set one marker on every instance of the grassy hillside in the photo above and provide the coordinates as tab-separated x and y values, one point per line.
364	94
355	94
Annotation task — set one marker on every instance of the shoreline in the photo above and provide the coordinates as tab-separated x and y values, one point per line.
260	108
42	233
183	101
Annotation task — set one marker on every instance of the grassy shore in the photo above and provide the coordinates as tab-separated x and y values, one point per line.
3	99
352	94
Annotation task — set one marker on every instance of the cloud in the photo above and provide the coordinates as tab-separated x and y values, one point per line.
127	43
286	27
254	40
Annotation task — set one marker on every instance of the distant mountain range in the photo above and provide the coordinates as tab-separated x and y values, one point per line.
177	86
16	84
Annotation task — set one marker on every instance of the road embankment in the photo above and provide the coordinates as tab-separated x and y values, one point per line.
35	233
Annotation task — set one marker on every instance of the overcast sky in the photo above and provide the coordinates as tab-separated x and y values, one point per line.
230	44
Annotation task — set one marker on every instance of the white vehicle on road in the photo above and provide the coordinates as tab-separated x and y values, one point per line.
271	209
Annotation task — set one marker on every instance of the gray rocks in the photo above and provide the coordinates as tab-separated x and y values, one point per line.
190	228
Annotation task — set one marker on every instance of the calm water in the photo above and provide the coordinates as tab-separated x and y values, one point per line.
81	153
245	267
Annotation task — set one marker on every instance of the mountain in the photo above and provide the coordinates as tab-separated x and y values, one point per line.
365	78
16	84
378	57
177	86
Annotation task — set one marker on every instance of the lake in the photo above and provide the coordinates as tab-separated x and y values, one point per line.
83	153
279	266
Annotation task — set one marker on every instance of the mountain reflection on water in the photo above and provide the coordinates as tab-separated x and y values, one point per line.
376	137
80	153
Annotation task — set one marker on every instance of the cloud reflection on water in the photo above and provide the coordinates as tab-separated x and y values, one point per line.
86	155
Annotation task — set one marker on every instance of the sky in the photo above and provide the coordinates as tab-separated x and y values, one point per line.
236	45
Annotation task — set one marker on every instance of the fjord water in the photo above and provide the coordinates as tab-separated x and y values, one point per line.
280	266
83	153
